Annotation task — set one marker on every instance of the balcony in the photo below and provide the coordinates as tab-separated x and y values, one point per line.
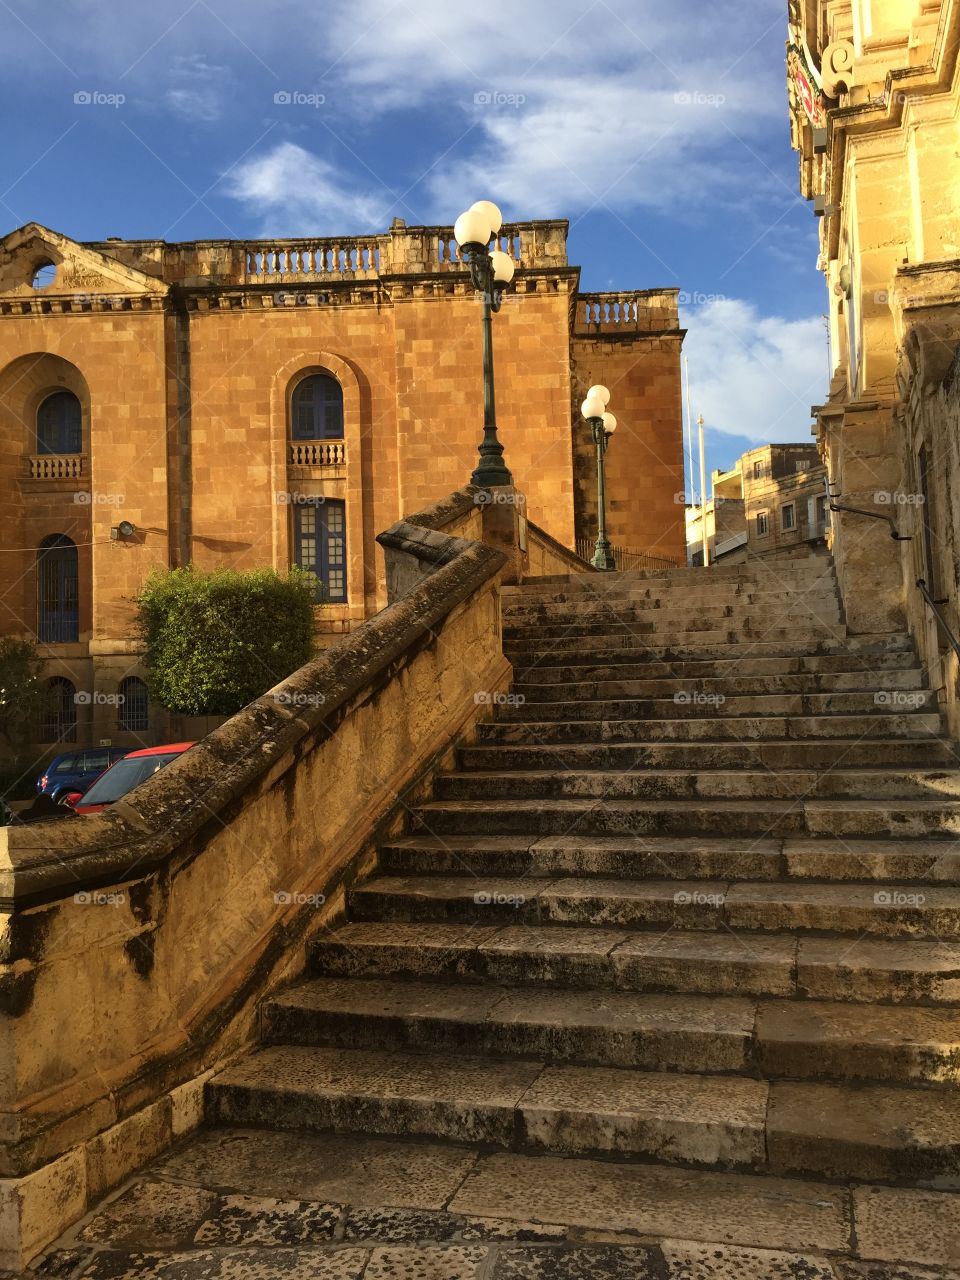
55	466
316	453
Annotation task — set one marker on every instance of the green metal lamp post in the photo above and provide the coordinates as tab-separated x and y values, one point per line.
603	425
490	271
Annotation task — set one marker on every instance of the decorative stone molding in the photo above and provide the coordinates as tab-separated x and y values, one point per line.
837	68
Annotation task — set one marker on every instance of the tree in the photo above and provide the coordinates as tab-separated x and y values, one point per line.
23	695
215	641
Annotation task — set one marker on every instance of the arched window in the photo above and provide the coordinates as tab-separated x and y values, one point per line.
60	424
317	409
59	723
134	705
58	593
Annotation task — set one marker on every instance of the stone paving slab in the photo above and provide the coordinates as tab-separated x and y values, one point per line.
211	1211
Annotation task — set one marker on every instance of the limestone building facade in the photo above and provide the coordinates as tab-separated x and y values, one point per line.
875	111
270	403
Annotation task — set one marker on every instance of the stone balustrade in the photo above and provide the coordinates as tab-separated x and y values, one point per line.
317	453
634	311
56	466
402	250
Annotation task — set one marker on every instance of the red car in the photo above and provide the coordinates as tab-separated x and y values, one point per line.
122	777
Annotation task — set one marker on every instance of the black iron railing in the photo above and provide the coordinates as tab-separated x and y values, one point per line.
944	626
627	559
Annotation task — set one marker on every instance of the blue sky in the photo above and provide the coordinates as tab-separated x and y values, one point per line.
658	127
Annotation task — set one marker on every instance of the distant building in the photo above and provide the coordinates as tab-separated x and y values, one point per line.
771	502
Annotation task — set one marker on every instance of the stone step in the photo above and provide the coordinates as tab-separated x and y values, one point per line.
877	725
667	686
720	579
860	970
664	857
761	638
690	703
824	753
783	1040
617	649
620	667
817	817
874	1132
632	621
691	784
545	606
649	1032
897	910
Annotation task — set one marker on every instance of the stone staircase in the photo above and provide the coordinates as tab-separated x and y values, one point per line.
691	899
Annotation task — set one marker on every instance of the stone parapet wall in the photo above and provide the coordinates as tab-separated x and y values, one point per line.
137	944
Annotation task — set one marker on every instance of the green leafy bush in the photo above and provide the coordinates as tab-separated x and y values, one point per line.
215	641
23	695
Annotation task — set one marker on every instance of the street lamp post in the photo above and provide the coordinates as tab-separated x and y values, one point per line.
603	425
490	271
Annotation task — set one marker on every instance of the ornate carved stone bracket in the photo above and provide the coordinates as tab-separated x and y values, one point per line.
837	69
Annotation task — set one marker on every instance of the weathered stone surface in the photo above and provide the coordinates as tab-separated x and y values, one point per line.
810	1039
345	1168
658	1200
578	1264
449	1262
894	1223
722	962
869	1133
151	1215
695	1119
687	1261
262	1220
232	1264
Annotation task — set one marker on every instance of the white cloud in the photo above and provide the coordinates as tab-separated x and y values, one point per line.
754	375
198	89
308	192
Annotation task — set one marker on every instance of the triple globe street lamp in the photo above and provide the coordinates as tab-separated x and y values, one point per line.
491	270
603	425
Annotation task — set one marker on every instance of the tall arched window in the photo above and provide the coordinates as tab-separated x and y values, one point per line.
59	723
134	706
58	591
317	409
60	424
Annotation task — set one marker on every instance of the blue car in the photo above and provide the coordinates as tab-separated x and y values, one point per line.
76	770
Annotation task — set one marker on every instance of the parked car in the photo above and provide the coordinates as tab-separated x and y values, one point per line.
75	771
121	778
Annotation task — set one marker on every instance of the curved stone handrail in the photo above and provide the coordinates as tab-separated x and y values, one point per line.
51	860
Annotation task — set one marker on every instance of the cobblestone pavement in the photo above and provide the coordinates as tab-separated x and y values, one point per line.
219	1208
